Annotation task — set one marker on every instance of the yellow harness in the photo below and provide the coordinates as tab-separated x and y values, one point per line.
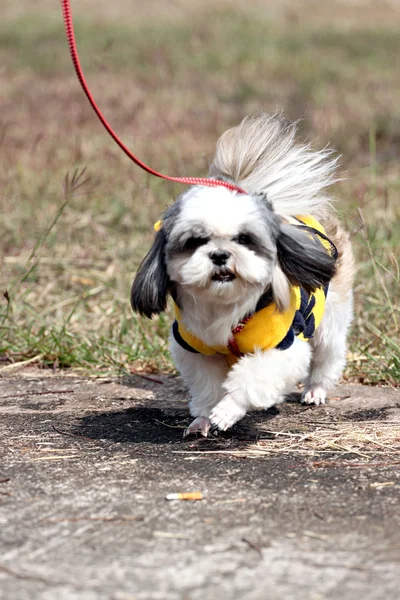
268	328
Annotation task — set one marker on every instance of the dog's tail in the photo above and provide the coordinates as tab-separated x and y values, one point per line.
262	155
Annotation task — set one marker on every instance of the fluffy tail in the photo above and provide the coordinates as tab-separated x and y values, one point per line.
261	155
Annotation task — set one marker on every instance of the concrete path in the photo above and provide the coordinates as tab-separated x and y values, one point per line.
289	512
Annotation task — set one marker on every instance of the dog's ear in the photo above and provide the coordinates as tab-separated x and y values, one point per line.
280	289
151	285
303	259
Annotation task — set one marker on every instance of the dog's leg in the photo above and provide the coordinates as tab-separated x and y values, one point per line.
204	376
329	349
260	380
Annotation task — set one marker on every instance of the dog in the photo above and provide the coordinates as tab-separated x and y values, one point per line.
261	281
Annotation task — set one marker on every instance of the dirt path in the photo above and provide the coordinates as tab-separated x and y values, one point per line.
289	513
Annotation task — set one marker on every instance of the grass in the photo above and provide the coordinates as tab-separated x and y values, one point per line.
70	240
367	440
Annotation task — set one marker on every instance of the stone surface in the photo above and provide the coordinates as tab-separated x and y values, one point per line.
86	465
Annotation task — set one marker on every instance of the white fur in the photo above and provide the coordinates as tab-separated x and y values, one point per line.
260	380
257	381
329	348
260	155
211	309
204	376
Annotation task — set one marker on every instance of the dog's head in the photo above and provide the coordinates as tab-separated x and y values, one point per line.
222	247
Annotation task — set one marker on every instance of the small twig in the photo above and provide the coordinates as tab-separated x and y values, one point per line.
170	426
232	501
167	534
30	577
5	480
29	393
57	457
328	424
20	365
318	515
148	377
317	536
378	485
105	519
75	435
253	545
336	463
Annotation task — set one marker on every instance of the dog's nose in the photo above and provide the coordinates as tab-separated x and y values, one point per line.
219	257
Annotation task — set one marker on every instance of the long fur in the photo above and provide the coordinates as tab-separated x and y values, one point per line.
149	291
303	260
263	253
261	155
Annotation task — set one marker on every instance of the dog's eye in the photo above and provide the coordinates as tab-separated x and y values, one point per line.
194	242
244	240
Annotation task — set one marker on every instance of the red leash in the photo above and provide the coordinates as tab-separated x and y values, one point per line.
69	28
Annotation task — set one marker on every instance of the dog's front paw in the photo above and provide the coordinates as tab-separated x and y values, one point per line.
226	413
316	395
200	425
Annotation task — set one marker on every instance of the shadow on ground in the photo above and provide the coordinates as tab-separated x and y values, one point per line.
143	425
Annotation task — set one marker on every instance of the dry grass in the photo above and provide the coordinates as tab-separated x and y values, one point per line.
342	440
351	14
362	438
171	81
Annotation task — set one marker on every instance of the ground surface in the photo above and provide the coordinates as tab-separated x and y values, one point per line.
86	465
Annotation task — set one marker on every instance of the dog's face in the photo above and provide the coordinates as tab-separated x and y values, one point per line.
222	247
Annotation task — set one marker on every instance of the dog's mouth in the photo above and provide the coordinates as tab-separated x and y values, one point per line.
223	276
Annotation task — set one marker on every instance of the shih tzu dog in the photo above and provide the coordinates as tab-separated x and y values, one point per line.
261	282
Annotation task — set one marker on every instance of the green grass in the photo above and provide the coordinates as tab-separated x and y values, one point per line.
227	40
69	252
